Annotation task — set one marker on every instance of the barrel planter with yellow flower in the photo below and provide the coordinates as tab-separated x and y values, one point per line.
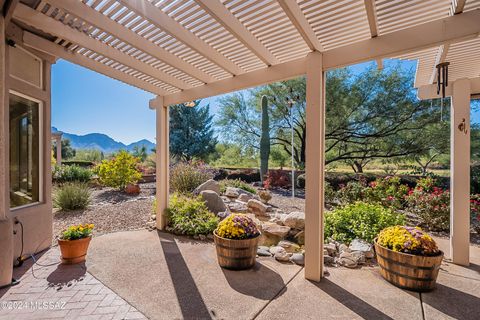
236	241
408	258
74	243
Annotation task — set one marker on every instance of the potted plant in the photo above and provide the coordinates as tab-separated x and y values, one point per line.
236	241
74	243
408	257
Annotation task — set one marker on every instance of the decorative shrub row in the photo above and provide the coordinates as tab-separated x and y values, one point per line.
73	173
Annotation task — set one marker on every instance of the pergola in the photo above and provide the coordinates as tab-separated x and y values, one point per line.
182	50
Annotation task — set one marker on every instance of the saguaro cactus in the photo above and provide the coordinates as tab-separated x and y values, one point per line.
265	139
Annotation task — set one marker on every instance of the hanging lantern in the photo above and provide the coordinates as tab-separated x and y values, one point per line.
442	77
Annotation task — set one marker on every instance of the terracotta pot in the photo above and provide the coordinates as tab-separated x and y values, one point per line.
236	254
132	189
408	271
74	251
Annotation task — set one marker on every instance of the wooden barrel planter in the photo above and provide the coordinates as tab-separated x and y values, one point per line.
74	251
408	271
236	254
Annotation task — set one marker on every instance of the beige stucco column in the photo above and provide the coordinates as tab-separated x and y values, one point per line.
314	167
162	159
6	228
460	173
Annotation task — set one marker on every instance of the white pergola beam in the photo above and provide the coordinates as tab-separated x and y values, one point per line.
314	167
49	25
43	45
298	19
271	74
126	35
220	13
162	159
458	6
460	172
372	17
430	91
168	24
435	33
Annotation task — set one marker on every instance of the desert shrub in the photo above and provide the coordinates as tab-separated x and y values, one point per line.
190	216
235	183
301	181
431	208
388	191
73	173
351	192
330	194
80	163
186	176
119	171
72	196
359	220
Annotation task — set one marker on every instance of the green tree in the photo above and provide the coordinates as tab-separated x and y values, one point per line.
191	132
67	151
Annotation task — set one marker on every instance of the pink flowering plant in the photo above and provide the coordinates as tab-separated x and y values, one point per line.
237	226
475	212
388	191
432	208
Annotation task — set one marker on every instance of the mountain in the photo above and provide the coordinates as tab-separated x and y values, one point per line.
102	142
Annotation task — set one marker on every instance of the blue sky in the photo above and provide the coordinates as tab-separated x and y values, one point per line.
84	102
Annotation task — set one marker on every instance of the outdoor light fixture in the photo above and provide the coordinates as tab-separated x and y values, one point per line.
190	104
442	77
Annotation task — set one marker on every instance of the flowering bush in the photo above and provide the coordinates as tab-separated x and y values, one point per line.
359	220
351	192
431	208
387	191
475	212
119	171
277	178
412	240
237	226
76	232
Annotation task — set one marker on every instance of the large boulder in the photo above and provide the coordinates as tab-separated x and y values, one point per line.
244	197
289	246
213	201
362	246
237	207
258	208
211	185
295	220
275	229
232	192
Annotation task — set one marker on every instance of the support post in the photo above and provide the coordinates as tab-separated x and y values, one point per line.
460	173
6	226
162	159
314	167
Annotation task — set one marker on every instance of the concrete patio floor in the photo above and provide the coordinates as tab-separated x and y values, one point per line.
161	276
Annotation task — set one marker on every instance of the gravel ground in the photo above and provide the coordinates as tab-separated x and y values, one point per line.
110	211
282	199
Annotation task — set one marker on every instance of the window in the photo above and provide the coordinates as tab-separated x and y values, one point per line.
24	151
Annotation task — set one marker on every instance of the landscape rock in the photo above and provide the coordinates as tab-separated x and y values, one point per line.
213	201
362	246
359	256
300	238
343	248
237	207
331	248
295	220
257	207
328	259
211	185
263	251
282	255
223	215
348	260
245	197
274	249
275	229
298	258
289	246
232	192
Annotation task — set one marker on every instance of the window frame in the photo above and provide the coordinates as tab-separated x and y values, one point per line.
41	173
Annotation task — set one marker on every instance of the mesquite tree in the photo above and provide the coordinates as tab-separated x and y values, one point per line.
265	139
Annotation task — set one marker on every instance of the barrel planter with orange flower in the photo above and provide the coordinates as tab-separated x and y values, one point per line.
236	241
408	258
74	242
